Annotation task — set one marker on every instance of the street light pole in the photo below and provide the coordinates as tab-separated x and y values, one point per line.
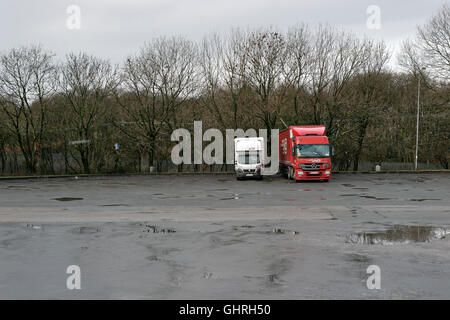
417	119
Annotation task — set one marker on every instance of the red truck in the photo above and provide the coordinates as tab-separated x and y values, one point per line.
305	153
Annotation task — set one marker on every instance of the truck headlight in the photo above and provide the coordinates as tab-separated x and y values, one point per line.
300	173
327	172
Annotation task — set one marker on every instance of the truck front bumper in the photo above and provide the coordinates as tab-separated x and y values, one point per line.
240	173
313	175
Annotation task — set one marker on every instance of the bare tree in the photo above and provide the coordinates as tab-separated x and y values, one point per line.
434	38
335	58
370	96
86	82
212	71
431	48
234	63
222	64
4	141
265	56
26	81
155	84
299	51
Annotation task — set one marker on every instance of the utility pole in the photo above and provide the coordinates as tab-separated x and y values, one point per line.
417	119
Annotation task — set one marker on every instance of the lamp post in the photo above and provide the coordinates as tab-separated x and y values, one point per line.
417	119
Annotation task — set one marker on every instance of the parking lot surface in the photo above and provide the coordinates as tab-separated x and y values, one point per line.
212	237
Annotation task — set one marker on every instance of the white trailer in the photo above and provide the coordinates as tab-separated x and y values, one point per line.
248	157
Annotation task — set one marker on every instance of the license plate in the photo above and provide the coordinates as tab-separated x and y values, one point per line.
249	174
314	172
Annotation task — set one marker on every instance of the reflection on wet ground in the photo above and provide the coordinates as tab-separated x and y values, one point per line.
399	234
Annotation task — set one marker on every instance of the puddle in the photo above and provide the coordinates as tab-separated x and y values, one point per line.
284	231
375	198
86	230
152	258
67	199
399	234
33	226
348	185
245	226
360	258
115	205
20	187
349	195
272	278
155	229
420	200
235	197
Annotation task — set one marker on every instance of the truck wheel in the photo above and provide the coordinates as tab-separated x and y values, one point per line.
291	174
283	171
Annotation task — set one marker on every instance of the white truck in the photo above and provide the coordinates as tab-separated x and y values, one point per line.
248	157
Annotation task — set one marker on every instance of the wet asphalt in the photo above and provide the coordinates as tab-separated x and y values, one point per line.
212	237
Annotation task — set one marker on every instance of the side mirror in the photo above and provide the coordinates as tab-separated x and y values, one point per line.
293	151
332	150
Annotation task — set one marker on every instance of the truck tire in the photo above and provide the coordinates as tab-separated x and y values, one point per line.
283	171
290	174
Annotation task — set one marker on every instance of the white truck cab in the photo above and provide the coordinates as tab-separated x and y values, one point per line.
248	157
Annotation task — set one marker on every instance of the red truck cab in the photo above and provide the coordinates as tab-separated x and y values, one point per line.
305	153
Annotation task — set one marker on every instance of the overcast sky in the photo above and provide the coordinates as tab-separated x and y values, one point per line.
114	29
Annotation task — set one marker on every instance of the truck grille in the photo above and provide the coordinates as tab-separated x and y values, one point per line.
311	166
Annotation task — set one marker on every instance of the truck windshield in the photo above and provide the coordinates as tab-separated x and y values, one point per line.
312	150
248	157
